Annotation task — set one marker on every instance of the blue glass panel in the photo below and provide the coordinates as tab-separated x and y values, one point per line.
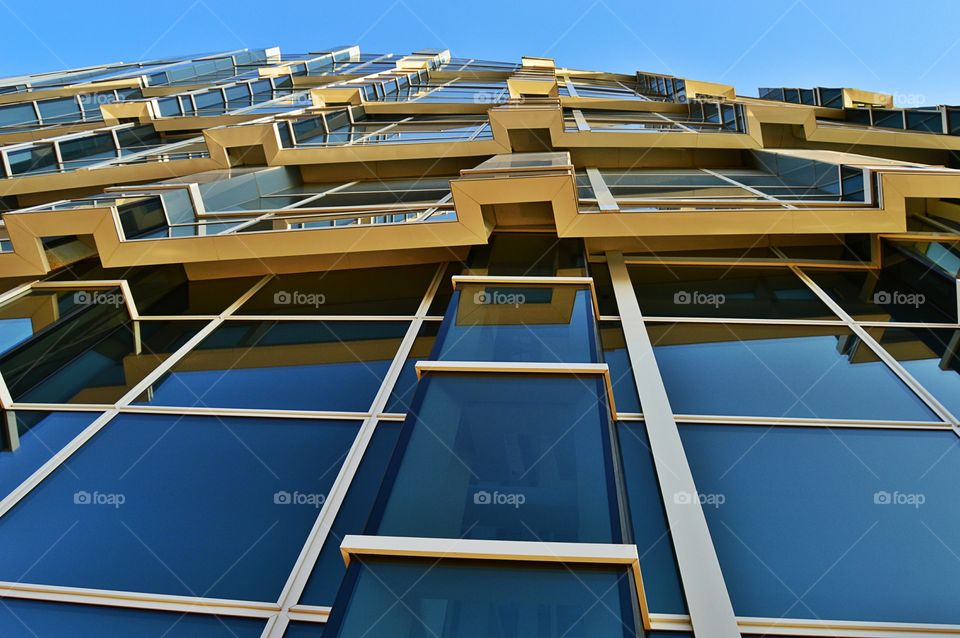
304	630
519	323
615	355
403	390
932	357
352	518
792	371
857	524
40	435
94	355
13	330
506	458
651	532
484	599
40	619
293	365
201	506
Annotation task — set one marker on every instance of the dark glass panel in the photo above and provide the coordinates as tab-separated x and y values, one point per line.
528	254
291	365
397	290
724	291
778	371
904	291
184	505
95	356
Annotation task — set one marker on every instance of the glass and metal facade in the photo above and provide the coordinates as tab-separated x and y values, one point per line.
354	344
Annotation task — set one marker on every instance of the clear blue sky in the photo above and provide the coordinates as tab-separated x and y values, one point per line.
898	46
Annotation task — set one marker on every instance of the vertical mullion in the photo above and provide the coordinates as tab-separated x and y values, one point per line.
710	608
303	568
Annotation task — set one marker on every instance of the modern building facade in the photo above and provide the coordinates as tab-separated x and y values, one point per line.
373	345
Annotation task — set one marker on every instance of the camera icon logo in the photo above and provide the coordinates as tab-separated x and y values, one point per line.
282	498
882	498
282	298
482	497
82	498
682	298
882	297
683	498
82	297
481	298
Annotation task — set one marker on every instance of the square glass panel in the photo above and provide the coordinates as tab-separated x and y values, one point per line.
528	254
860	524
202	506
778	371
725	291
503	457
94	356
368	291
25	316
480	599
290	365
20	618
502	322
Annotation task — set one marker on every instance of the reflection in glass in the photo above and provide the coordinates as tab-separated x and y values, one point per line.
504	458
615	355
368	291
474	599
401	398
29	439
861	522
528	255
20	618
932	357
519	323
96	355
352	517
724	291
202	506
291	365
900	292
651	532
778	371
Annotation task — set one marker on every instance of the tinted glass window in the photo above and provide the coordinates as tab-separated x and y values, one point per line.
519	323
292	365
778	371
468	599
465	469
615	355
861	524
722	291
202	506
